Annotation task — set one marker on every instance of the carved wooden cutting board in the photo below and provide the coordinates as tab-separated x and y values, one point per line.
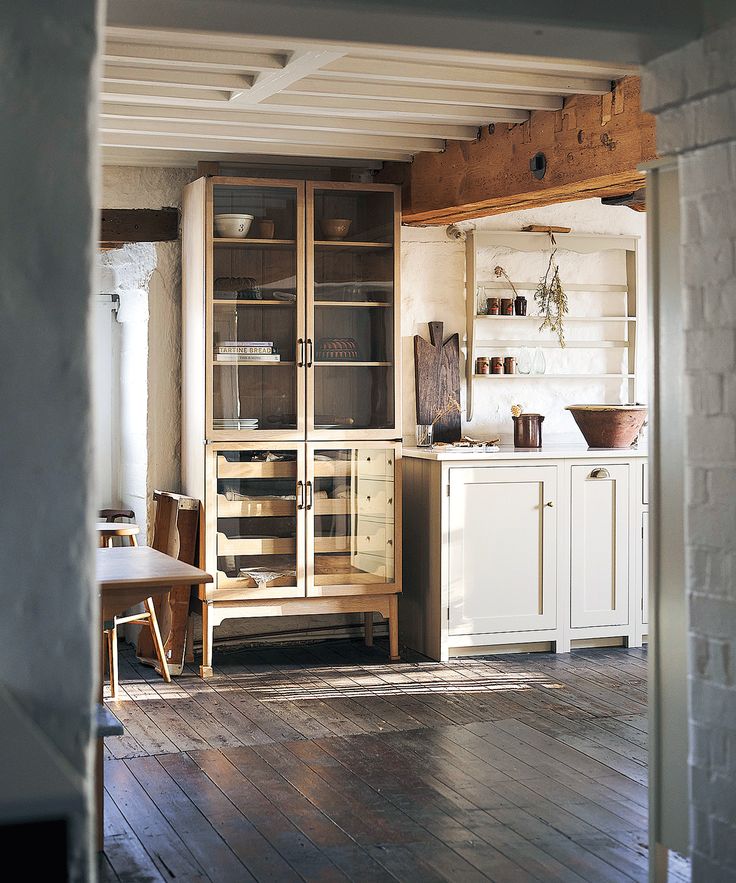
437	381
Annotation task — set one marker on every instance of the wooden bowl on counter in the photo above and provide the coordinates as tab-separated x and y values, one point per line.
609	426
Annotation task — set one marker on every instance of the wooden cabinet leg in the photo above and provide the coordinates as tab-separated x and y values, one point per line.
208	634
189	654
393	628
157	642
368	620
112	655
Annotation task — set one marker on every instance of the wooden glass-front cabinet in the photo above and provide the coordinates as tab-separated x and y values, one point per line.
300	317
290	413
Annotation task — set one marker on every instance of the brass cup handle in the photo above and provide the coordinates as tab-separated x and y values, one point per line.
300	494
300	354
310	495
600	472
550	504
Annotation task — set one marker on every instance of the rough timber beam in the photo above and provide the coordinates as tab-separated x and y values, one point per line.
592	146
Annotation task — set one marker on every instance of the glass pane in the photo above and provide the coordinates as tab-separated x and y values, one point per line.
353	516
354	311
257	518
254	308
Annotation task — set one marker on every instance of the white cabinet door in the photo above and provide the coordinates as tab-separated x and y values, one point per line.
599	535
645	567
502	535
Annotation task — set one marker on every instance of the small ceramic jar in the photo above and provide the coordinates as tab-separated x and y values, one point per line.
482	365
507	306
496	365
520	305
509	365
492	303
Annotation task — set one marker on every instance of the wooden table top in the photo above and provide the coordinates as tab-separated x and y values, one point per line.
142	566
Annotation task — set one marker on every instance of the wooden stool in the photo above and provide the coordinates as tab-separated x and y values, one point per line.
107	530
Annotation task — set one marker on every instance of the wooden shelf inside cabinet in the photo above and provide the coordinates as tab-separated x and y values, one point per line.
345	363
258	363
259	243
253	508
331	544
255	469
341	243
350	303
617	331
255	545
331	507
239	302
248	584
332	468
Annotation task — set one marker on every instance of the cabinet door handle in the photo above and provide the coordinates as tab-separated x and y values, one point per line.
310	353
600	472
300	352
550	504
310	495
300	494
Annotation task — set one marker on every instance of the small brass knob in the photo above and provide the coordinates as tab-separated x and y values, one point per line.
550	505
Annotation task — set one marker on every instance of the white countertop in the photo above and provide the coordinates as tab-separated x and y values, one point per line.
509	452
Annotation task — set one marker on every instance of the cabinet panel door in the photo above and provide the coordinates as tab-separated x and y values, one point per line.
255	334
353	516
353	327
599	536
502	549
645	567
255	521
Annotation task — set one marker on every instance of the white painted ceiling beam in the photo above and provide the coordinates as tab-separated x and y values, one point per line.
299	65
401	110
147	94
189	129
235	61
380	91
287	121
216	145
191	79
454	75
130	156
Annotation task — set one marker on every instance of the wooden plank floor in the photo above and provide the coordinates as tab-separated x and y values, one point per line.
325	763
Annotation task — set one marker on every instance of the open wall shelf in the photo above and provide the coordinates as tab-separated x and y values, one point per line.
614	325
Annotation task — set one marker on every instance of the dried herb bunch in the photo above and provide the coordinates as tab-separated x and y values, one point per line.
451	406
551	299
499	271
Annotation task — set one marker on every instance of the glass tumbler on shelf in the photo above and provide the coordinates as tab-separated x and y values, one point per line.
424	435
481	307
539	363
523	361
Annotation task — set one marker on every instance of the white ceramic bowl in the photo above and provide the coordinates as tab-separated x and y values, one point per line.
233	226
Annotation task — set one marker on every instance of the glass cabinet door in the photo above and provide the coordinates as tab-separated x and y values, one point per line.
351	527
352	325
256	319
260	521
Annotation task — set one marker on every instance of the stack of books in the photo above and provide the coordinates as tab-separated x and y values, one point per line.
246	351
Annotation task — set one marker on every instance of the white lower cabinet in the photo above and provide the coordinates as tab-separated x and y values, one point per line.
502	562
525	551
644	567
599	545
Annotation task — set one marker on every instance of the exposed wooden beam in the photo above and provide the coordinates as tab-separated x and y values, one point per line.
366	108
334	123
190	129
379	91
205	145
122	52
475	76
592	148
636	200
300	64
139	225
191	79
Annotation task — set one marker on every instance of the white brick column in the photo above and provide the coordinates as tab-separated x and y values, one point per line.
692	92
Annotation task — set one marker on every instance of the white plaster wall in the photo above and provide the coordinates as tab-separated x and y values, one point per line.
433	289
49	638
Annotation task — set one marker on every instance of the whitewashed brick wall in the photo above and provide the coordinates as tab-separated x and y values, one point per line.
693	94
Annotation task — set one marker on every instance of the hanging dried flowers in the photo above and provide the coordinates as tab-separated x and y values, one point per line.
551	298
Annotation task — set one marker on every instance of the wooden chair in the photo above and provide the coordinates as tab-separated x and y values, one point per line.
146	617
